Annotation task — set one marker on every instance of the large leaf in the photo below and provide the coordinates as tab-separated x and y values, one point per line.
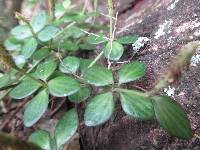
39	21
132	71
4	80
24	89
36	108
172	117
129	39
136	104
45	69
113	51
41	138
29	47
47	33
69	65
66	127
98	76
63	86
81	95
21	32
92	39
99	110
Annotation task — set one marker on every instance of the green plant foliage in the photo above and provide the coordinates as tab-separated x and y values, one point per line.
136	104
66	127
172	117
131	72
92	39
41	138
81	95
113	51
29	47
24	89
41	54
75	32
4	80
63	86
12	44
99	110
45	69
47	33
98	76
21	32
39	22
69	65
129	39
36	108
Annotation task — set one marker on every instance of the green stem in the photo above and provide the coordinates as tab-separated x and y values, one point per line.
95	60
110	9
52	9
84	7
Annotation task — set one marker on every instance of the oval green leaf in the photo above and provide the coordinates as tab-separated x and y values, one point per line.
81	95
40	54
63	86
39	21
99	110
113	52
172	117
36	108
12	44
69	65
98	76
136	104
131	72
21	32
29	47
66	127
47	33
128	39
44	70
24	89
41	138
4	80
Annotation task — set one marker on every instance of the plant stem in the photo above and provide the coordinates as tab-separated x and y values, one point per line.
96	59
110	9
52	9
84	7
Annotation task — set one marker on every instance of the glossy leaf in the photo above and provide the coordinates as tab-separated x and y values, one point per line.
21	32
66	127
4	80
45	69
39	21
81	95
129	39
92	39
69	65
36	108
98	76
99	110
41	138
29	47
136	104
24	89
172	117
131	72
47	33
113	52
63	86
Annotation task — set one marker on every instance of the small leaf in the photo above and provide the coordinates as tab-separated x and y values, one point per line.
21	32
12	44
98	76
41	138
4	80
69	65
81	95
137	104
47	33
39	21
113	52
29	47
66	127
131	72
92	39
129	39
45	69
24	89
36	108
40	54
68	46
172	117
63	86
75	32
99	110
